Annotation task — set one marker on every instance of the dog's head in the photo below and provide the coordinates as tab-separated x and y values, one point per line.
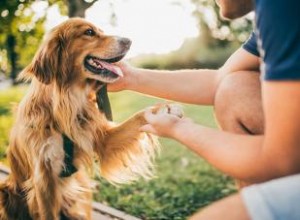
76	50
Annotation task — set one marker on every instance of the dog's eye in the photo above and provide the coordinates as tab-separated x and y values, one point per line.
90	32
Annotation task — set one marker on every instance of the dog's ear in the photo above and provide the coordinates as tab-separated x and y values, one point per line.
46	64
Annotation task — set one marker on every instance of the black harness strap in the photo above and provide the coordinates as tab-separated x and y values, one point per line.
69	168
103	106
103	102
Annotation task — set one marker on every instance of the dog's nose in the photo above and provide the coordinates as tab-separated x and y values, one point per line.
125	42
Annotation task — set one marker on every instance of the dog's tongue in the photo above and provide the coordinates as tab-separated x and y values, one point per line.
112	68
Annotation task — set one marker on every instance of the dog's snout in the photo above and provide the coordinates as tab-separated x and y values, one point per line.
125	42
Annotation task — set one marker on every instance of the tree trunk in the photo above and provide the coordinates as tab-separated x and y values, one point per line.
76	8
12	56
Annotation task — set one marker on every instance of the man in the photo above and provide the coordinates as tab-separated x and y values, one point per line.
256	95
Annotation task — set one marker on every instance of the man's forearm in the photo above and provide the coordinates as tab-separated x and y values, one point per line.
189	86
240	156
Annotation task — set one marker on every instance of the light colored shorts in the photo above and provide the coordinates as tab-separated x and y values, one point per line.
278	199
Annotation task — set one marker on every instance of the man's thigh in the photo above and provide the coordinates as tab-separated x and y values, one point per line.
238	103
272	200
230	208
275	199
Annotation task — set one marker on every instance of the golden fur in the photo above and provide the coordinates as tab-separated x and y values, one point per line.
60	101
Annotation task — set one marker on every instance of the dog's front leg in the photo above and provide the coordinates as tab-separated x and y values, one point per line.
48	165
128	153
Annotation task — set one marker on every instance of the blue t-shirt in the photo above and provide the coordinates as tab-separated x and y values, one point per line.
276	38
251	45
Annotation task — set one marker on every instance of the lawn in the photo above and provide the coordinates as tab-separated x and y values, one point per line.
184	182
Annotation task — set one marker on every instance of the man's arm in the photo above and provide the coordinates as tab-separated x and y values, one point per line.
249	158
189	86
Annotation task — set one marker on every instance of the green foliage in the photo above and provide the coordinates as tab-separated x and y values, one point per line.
28	43
19	23
213	26
194	53
8	99
63	8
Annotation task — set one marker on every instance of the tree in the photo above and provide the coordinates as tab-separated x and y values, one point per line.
73	8
213	26
17	30
77	8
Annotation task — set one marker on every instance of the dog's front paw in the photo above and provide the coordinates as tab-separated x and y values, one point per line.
169	108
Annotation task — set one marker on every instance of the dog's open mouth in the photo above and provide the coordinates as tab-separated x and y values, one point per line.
104	69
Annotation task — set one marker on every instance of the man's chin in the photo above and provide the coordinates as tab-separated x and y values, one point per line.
231	10
230	15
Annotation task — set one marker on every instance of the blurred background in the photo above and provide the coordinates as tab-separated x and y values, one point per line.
169	34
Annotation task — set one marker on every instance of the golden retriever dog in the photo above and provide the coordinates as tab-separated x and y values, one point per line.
59	131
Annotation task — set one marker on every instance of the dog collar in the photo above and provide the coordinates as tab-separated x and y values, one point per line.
69	167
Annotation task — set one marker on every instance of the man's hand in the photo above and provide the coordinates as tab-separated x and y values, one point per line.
164	121
123	82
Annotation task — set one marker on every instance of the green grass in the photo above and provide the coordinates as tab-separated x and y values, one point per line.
184	182
8	99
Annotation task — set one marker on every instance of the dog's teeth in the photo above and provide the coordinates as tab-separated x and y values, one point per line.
95	63
90	61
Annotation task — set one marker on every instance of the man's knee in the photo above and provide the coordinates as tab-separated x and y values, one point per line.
238	105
